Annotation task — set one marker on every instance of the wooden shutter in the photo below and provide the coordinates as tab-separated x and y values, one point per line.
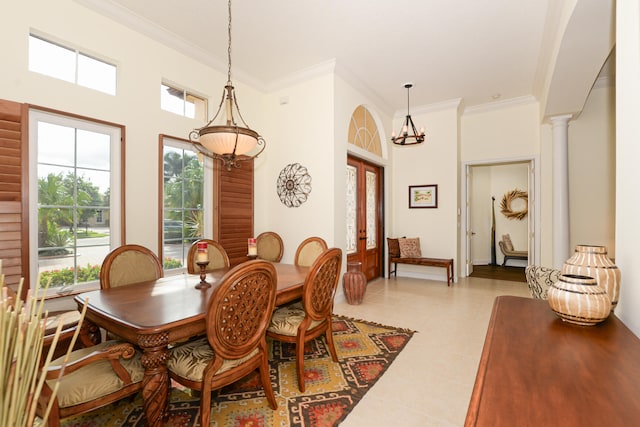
14	242
233	210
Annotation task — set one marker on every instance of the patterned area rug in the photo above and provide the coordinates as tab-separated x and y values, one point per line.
365	351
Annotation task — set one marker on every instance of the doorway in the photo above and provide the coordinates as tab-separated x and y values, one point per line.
487	187
364	215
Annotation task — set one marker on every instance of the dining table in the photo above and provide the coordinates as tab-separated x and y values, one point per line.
156	313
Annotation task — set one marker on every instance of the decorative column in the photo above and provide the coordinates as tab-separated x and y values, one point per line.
561	251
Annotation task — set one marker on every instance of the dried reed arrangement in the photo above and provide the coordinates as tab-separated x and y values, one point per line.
22	326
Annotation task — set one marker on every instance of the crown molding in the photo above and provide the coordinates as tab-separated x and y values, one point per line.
499	105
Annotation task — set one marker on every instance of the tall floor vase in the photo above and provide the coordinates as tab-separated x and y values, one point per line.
354	283
593	261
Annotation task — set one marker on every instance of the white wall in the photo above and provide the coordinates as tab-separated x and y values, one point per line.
433	162
627	155
300	131
592	167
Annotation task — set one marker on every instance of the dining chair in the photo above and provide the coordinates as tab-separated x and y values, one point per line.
309	250
270	246
238	313
129	264
306	320
69	320
218	257
92	378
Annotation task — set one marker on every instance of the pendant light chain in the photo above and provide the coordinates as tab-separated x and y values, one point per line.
229	46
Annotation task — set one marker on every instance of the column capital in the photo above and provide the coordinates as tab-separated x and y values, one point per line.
560	120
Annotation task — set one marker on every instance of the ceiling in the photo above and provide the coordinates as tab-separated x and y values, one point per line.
475	50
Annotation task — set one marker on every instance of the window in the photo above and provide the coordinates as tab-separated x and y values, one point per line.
75	217
181	102
55	60
185	182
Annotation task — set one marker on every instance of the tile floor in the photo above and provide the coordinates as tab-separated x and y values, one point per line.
430	382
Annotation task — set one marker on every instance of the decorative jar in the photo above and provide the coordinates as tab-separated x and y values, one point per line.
579	299
593	261
354	283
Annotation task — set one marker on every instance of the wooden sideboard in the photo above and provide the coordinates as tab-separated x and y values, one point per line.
537	370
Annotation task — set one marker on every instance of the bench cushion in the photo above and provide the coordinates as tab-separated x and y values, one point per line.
410	247
507	242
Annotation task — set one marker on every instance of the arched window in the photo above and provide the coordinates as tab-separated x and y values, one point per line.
363	131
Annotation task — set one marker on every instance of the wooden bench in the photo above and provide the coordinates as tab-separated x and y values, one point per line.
395	259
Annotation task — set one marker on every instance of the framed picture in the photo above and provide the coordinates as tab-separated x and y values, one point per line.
423	196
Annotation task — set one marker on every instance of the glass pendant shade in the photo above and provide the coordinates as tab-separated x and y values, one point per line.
224	140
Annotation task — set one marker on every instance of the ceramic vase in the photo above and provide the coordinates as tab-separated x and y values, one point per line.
354	283
593	261
579	299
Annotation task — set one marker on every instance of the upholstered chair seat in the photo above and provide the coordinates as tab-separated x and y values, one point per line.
190	360
96	379
91	378
286	320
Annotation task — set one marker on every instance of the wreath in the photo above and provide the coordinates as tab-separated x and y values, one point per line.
505	205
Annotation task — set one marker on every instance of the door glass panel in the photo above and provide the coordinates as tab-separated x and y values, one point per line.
352	193
371	187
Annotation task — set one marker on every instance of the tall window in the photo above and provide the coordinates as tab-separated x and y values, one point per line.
64	63
184	205
179	101
75	200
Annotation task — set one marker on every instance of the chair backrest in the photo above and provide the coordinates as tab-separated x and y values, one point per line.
240	309
270	246
129	264
218	257
394	247
309	250
321	283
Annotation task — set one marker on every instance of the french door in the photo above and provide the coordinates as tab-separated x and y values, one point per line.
364	216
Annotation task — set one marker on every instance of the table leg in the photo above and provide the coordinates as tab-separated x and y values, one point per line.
155	385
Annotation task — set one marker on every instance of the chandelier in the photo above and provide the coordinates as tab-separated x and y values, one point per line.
406	138
228	142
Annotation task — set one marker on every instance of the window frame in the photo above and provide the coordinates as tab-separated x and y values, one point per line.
208	192
77	66
117	189
185	95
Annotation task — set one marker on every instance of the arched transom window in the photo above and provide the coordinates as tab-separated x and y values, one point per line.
363	131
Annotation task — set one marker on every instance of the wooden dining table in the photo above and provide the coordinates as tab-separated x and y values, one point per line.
155	313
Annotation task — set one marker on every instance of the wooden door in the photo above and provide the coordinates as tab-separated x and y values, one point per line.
364	216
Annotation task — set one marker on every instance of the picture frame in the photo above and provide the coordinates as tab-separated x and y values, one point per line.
423	196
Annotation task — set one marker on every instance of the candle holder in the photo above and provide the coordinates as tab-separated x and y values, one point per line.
203	275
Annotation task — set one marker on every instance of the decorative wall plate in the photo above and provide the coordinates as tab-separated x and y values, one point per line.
294	185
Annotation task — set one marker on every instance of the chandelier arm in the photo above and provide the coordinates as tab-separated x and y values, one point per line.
235	101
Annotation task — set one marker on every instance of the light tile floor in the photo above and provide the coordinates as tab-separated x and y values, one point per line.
430	382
